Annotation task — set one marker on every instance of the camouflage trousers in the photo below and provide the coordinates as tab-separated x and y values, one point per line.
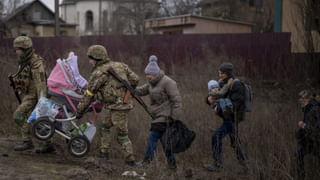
119	120
21	114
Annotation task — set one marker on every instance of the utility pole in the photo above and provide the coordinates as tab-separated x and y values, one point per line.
100	23
57	22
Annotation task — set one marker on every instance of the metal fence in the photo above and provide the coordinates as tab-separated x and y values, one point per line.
266	55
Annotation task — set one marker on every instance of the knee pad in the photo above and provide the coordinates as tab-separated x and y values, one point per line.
104	131
122	137
19	118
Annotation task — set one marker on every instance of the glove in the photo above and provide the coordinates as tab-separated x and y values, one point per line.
78	116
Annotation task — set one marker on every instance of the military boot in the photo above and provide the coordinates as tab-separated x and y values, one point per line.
130	161
25	146
47	148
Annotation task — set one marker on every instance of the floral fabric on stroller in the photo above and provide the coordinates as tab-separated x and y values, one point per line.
65	86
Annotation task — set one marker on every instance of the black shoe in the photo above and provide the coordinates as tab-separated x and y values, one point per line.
172	164
212	168
131	163
104	155
146	161
47	148
25	146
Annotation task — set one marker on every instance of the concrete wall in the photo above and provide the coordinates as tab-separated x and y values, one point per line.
69	13
208	26
195	25
26	29
76	13
41	30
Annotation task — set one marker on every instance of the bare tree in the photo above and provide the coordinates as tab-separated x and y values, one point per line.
258	12
306	19
130	19
7	7
180	7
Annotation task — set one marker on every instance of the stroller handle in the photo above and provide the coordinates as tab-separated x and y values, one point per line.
67	119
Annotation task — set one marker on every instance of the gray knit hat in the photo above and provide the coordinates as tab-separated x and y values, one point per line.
152	68
226	68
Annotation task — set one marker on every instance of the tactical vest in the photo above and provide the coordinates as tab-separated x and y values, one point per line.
22	78
113	91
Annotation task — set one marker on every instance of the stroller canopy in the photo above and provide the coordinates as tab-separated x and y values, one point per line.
66	74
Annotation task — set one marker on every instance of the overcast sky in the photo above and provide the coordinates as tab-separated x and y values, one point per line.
49	3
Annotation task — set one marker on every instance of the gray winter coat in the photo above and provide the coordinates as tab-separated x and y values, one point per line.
164	97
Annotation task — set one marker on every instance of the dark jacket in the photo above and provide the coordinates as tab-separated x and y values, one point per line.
236	93
312	119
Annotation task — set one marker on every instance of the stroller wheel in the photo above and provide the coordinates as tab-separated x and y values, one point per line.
43	128
79	146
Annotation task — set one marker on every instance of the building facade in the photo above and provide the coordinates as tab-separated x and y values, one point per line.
192	24
35	19
98	17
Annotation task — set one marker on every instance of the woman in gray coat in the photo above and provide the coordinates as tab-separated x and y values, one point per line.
165	107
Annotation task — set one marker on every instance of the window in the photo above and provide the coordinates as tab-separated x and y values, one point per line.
89	21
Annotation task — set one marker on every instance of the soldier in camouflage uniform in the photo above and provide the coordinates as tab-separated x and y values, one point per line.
109	90
30	80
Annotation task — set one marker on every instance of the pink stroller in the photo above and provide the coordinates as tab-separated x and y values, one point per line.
65	86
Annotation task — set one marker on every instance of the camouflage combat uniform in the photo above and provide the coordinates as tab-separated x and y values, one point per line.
109	90
30	80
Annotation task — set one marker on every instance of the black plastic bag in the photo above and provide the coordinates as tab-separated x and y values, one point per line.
177	137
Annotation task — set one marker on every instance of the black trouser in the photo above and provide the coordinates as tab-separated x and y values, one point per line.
306	146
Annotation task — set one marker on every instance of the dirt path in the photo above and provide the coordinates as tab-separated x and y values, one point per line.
61	165
30	165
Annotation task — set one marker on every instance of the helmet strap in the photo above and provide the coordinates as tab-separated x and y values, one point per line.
27	53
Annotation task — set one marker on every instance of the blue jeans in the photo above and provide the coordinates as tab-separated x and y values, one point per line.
154	136
227	128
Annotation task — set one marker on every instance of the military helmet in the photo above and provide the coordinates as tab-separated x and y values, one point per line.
23	42
97	52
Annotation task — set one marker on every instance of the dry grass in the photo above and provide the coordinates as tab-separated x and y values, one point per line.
267	134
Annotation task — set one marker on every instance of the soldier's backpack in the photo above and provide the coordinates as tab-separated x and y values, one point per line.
248	95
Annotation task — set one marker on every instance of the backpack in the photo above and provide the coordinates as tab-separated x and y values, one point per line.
248	95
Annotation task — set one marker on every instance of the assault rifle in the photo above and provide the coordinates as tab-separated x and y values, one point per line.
130	89
14	88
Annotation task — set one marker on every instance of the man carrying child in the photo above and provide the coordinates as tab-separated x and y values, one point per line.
228	104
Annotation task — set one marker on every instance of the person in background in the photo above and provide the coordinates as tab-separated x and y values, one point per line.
308	132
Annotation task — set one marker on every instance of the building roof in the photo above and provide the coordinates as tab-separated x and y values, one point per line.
25	6
66	2
197	17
